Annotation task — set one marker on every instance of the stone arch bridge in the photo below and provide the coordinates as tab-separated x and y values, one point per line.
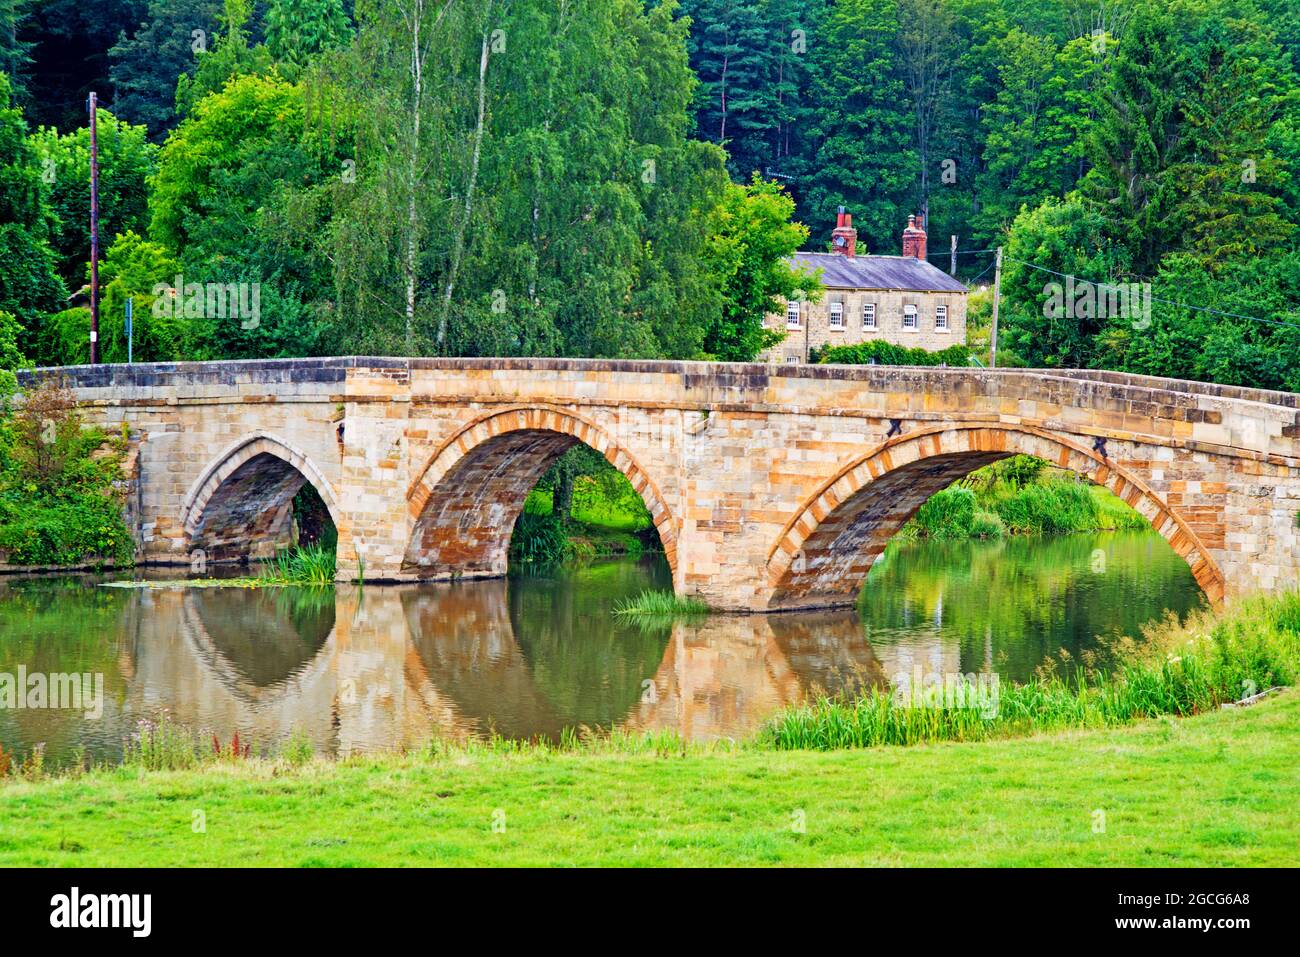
772	487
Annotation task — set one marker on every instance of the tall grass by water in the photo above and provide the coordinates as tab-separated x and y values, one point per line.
660	604
300	565
1181	668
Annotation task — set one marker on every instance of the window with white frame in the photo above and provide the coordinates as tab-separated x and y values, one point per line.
837	315
909	318
940	318
792	315
869	316
791	360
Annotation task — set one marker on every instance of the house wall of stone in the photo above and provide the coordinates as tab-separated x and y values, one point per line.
816	332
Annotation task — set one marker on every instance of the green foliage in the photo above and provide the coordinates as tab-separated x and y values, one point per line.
126	160
29	282
751	239
884	353
1019	495
298	30
1182	669
146	66
661	605
229	56
10	358
59	500
300	565
540	540
948	514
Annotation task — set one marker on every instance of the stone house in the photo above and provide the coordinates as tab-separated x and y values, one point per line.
900	299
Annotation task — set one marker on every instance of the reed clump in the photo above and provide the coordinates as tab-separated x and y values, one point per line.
1180	668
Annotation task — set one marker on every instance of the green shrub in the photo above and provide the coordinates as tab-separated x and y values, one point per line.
60	500
947	514
1054	508
86	527
539	539
987	525
887	354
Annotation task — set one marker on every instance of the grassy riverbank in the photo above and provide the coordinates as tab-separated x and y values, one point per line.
1179	669
1021	495
1032	801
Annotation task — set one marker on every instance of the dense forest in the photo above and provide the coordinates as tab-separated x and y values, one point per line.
625	177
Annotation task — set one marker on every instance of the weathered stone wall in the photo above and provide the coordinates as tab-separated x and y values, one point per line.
816	331
771	486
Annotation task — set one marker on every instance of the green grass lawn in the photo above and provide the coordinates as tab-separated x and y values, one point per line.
1219	789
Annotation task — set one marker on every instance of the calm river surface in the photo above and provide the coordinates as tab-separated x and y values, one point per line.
386	667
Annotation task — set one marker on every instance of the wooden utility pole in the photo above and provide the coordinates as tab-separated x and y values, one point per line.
94	231
997	295
952	262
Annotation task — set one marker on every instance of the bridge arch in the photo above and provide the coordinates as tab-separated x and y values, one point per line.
466	498
824	552
239	505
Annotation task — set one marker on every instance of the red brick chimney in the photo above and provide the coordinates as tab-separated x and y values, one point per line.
844	238
914	239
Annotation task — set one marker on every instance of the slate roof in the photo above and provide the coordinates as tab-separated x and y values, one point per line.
878	272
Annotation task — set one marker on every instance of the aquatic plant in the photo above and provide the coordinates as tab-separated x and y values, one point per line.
660	604
300	565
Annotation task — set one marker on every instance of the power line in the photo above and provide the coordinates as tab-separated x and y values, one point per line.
1168	302
982	274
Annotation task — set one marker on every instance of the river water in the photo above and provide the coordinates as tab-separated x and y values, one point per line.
389	667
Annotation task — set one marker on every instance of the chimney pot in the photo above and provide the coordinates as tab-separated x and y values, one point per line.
844	238
914	239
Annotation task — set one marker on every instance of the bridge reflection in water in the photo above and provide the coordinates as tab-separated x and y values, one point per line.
389	667
357	669
380	668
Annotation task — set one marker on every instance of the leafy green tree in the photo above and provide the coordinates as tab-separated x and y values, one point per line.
1136	140
145	67
126	160
1229	183
29	281
228	56
1070	238
926	45
734	54
297	30
11	358
69	44
859	151
15	50
225	198
1036	127
752	240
